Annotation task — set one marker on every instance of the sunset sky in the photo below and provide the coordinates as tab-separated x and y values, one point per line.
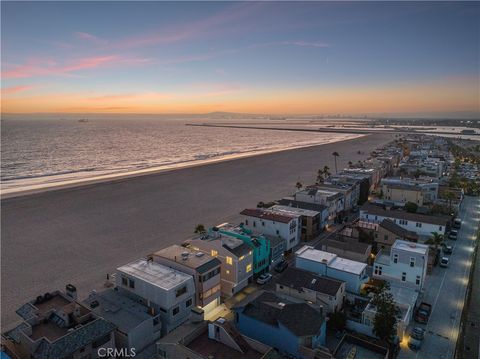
198	57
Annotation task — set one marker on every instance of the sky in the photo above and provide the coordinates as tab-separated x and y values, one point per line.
250	57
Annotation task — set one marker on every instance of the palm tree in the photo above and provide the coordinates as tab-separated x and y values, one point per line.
299	186
200	229
320	177
436	240
335	155
326	171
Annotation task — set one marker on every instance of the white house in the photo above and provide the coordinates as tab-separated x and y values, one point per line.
406	263
274	223
353	273
333	199
422	224
162	289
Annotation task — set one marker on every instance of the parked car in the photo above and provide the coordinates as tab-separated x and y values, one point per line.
281	266
414	344
453	234
423	312
447	249
444	262
457	223
418	333
264	278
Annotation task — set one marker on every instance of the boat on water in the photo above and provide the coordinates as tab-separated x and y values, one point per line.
83	120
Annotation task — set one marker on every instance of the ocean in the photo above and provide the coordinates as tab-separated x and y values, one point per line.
47	151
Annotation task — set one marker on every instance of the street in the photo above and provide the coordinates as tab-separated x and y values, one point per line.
445	289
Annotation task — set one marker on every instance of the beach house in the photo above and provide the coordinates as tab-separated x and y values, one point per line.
204	269
353	273
163	290
236	259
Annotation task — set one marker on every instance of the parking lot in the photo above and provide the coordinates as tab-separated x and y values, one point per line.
445	290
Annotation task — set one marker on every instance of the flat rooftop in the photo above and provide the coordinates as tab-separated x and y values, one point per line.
295	210
307	252
331	260
154	273
118	309
347	265
410	247
186	256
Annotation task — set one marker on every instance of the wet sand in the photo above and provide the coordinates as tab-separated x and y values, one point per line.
77	235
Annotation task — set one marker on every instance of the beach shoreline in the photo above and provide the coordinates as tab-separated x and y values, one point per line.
120	176
79	234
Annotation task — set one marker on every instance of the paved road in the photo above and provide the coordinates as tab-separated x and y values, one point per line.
445	290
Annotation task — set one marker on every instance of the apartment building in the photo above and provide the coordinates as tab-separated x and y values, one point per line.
401	191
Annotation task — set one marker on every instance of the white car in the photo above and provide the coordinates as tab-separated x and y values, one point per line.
444	262
264	278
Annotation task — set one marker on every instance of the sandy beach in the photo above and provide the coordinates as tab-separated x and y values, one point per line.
77	235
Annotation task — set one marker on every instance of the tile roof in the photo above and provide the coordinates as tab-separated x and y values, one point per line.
299	318
268	215
299	278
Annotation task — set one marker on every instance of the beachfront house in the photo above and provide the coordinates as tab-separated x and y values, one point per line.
164	290
311	220
350	192
310	287
287	226
422	224
315	207
136	329
353	273
405	263
236	259
56	325
259	245
287	326
204	269
334	200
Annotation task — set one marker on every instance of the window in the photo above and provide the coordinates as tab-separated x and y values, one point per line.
241	258
417	281
277	231
440	228
227	271
181	291
188	303
156	321
412	262
404	277
263	223
292	240
214	253
418	225
229	260
379	270
163	310
254	223
176	310
385	237
395	258
246	222
124	281
281	286
249	267
366	216
131	283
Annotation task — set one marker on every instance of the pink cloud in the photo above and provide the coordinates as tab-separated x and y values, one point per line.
85	36
45	67
16	89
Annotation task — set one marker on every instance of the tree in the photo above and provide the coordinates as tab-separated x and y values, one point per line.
411	207
299	185
436	240
385	321
200	229
450	196
326	171
335	155
320	177
350	163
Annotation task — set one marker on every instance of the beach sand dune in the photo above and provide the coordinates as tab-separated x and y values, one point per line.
77	235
